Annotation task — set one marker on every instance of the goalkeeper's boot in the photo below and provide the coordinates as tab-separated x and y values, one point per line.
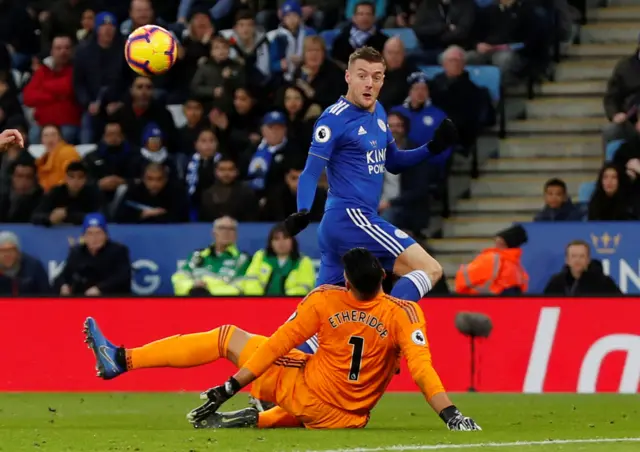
260	405
110	361
245	418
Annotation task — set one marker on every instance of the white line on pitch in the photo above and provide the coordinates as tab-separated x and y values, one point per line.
483	445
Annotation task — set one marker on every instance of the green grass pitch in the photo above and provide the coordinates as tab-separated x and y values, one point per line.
140	422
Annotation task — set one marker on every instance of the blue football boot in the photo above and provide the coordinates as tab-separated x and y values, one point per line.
109	362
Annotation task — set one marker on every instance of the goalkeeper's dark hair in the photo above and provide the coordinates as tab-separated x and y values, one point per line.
364	273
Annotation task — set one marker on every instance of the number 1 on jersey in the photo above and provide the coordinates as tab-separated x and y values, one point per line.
356	357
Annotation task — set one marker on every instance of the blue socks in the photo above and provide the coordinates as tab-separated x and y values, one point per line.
412	286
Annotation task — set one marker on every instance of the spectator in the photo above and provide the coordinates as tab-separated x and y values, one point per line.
241	127
611	200
301	114
228	196
280	269
557	205
140	13
98	74
497	270
469	106
442	23
424	117
581	276
200	170
361	32
139	110
114	163
10	109
405	197
196	45
52	165
153	150
97	266
281	201
218	10
50	93
87	25
18	31
63	18
622	99
627	158
396	85
252	48
68	203
216	80
153	199
19	202
289	37
216	269
195	122
318	77
10	153
505	29
268	164
20	274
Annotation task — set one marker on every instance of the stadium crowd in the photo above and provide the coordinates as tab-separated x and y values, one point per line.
225	132
251	79
615	195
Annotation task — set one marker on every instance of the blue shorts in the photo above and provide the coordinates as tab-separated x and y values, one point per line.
342	229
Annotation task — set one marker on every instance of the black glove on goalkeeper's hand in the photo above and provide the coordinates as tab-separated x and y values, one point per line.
445	136
214	397
296	222
456	421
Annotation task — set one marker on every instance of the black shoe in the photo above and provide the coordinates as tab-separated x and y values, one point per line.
260	405
247	417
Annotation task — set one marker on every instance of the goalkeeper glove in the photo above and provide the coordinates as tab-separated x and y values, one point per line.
214	397
456	421
445	136
296	222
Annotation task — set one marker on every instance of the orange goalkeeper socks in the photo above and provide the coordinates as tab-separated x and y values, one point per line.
188	350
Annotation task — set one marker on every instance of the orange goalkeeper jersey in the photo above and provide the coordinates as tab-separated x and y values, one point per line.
360	343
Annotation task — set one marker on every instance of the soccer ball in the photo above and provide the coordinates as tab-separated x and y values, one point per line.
150	50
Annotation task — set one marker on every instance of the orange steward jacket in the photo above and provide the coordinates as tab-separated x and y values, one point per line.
492	272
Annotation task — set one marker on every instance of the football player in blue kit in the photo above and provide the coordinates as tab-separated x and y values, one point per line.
352	140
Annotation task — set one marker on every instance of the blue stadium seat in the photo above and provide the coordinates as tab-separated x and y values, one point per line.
407	36
612	148
328	36
484	3
585	191
484	76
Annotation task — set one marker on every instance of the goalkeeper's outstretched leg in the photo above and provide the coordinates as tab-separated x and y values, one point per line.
180	351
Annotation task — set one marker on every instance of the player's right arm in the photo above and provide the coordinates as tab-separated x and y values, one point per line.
326	133
411	337
300	327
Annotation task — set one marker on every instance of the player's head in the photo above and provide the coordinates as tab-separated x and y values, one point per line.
363	273
365	76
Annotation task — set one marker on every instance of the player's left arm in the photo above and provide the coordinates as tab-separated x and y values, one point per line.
439	147
411	337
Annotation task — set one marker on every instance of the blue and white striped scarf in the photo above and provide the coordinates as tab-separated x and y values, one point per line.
192	177
295	45
261	162
359	38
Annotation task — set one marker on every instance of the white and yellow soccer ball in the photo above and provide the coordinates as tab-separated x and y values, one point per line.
151	50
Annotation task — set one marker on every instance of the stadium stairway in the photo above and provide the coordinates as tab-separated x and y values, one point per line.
556	134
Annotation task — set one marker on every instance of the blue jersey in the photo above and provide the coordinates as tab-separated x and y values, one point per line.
354	142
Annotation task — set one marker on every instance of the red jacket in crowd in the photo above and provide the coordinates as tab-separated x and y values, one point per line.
50	94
